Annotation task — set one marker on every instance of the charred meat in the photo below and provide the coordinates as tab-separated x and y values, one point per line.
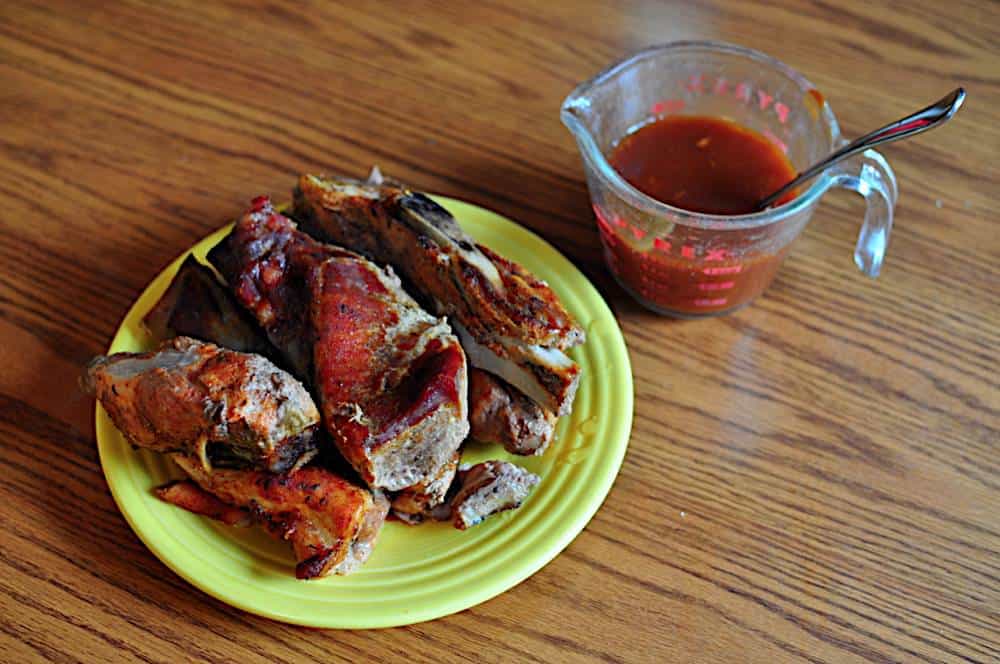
391	378
227	408
331	523
266	261
499	413
197	305
510	323
485	489
188	495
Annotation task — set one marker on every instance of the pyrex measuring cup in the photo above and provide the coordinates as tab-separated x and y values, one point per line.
691	264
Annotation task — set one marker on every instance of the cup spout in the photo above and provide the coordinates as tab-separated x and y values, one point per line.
576	114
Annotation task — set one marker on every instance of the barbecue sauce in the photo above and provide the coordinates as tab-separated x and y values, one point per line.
706	165
702	164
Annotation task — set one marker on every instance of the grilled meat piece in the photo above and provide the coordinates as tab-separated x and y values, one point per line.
266	261
499	413
413	504
197	305
229	409
486	489
510	323
331	523
188	495
391	378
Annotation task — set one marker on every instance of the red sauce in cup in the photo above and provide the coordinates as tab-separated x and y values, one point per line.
702	164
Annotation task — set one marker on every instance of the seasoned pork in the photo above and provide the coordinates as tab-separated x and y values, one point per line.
510	323
486	489
227	408
267	262
498	413
188	495
197	305
331	523
413	504
391	378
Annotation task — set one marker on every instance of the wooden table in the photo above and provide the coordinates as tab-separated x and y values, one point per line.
814	478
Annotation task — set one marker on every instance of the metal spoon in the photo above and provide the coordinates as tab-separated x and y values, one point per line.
934	115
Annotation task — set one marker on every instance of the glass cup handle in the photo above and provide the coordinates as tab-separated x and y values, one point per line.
870	175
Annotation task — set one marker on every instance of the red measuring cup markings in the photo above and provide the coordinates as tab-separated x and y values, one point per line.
685	277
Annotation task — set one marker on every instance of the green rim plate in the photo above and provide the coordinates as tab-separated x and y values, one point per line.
415	573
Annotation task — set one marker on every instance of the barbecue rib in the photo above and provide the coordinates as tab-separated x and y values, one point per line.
227	408
413	504
188	495
498	413
197	305
486	489
391	378
510	323
331	523
267	262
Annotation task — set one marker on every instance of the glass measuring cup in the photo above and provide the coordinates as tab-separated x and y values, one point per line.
693	265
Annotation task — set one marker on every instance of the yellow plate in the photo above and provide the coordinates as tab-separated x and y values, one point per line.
415	573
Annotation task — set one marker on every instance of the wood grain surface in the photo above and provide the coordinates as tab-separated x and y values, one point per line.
812	479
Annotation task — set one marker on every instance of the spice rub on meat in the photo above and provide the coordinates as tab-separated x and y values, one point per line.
227	408
331	523
391	378
510	322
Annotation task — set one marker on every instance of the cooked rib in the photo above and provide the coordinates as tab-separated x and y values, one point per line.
197	305
331	523
228	408
413	504
499	413
510	323
391	378
188	495
266	261
486	489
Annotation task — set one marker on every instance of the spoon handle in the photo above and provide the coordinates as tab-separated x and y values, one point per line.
934	115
